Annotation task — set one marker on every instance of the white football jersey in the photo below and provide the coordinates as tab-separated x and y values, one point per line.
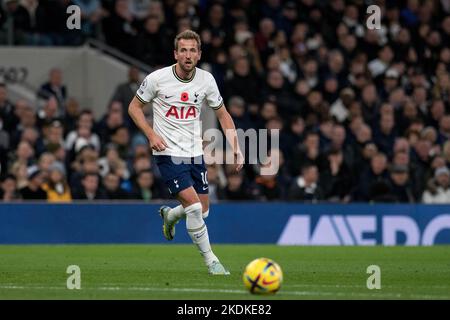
176	107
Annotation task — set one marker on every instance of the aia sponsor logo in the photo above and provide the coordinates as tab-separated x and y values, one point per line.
182	112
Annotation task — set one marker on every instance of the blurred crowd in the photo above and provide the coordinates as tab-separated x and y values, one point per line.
363	115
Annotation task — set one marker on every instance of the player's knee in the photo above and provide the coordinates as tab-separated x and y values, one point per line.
205	214
194	209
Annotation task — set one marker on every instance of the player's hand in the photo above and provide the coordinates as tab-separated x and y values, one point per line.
157	143
238	160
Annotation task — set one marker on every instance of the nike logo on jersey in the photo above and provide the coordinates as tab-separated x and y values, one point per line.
167	97
204	188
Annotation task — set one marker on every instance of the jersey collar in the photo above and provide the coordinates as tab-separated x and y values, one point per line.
183	80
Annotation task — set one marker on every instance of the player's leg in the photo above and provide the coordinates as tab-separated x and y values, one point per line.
177	213
204	200
176	176
199	175
201	186
198	231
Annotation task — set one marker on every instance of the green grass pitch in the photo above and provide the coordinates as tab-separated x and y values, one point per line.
177	272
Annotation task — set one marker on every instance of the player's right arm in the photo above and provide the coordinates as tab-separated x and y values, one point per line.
135	110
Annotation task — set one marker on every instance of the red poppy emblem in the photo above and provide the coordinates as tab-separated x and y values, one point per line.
184	96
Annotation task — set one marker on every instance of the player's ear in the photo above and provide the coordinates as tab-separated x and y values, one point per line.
175	54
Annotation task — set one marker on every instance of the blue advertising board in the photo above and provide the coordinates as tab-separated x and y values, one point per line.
271	223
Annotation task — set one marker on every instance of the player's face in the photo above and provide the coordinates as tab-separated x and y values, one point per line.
187	54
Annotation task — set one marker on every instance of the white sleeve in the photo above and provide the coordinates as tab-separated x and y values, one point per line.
70	139
147	90
213	96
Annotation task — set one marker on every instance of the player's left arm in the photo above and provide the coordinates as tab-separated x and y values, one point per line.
228	127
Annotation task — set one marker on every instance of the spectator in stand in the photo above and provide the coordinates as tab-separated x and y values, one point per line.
120	28
71	115
91	188
384	134
236	108
126	91
25	153
19	171
53	134
27	119
379	65
216	190
56	187
91	14
373	180
83	134
7	110
86	161
421	156
401	188
336	179
340	108
276	90
235	188
145	188
121	138
242	81
268	183
4	146
58	151
141	8
307	152
111	184
294	134
153	47
8	188
110	159
44	163
438	189
55	88
306	187
33	190
48	113
112	120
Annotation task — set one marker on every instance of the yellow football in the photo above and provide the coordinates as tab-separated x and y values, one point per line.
263	276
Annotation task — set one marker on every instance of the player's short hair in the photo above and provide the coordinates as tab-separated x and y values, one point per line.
188	35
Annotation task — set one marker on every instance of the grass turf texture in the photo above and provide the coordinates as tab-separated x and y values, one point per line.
177	272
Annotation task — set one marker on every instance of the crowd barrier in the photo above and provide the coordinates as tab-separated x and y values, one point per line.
246	223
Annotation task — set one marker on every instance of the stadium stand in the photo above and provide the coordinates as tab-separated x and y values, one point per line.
364	115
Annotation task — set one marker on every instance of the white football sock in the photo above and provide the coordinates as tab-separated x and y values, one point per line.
177	213
198	232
